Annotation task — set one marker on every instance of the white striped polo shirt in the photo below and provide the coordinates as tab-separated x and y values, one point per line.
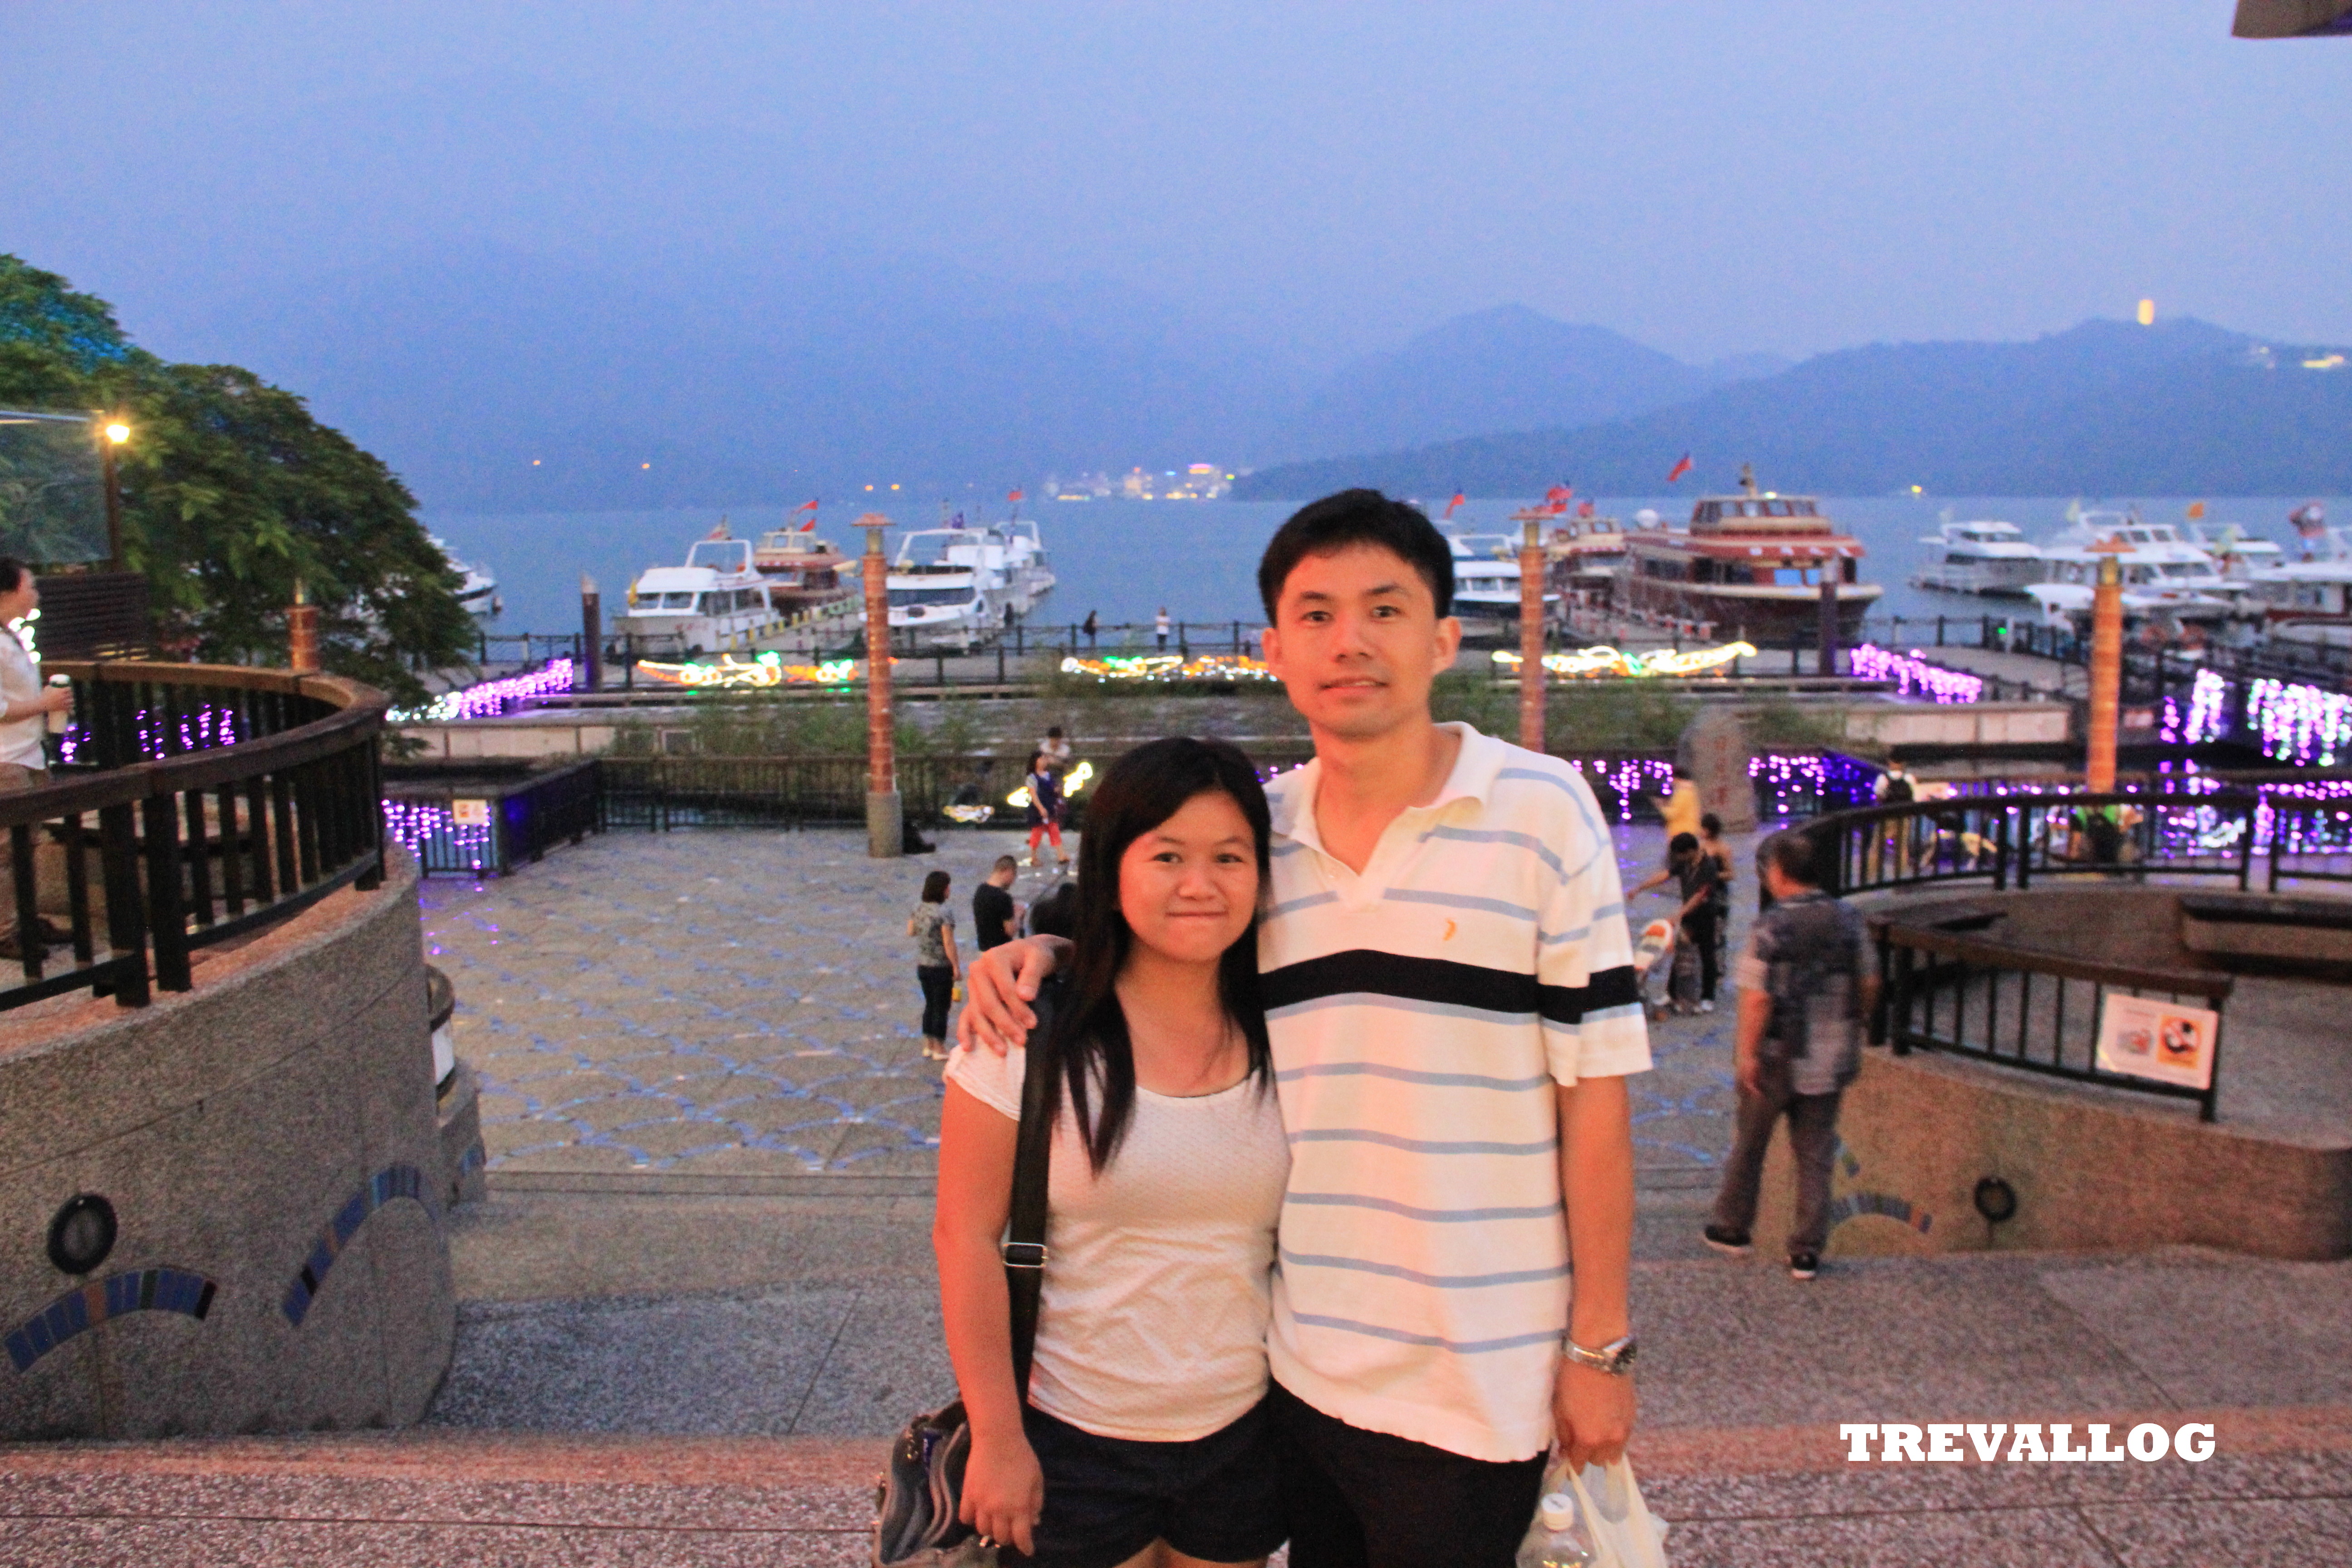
1421	1014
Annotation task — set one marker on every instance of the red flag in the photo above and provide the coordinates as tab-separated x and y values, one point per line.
1014	496
1679	470
1584	508
809	507
1452	504
805	506
1558	493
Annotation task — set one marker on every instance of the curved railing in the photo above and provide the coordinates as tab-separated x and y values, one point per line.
192	803
2008	840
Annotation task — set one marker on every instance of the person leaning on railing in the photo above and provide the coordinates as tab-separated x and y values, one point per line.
25	705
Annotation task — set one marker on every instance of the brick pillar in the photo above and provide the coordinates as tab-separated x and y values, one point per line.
2106	675
883	818
1531	638
302	633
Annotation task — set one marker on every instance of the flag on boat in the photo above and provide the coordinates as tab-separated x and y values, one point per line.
1679	470
2196	510
718	532
809	507
2310	519
1584	508
1452	504
956	521
1558	493
1014	496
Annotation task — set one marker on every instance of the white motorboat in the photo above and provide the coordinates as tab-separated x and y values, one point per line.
1486	581
952	585
1031	575
1982	556
2163	573
2297	599
719	599
479	591
2235	553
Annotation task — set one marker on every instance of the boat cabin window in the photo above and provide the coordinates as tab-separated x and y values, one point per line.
668	601
902	597
1672	570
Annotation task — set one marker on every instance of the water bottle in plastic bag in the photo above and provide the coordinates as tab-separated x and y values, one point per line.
1558	1537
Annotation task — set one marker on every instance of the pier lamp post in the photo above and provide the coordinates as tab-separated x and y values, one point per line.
116	433
2107	669
1531	638
883	820
591	633
302	632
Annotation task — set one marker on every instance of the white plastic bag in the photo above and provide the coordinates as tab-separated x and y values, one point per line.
1625	1533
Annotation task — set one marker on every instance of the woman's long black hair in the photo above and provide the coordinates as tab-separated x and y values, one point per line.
1087	1043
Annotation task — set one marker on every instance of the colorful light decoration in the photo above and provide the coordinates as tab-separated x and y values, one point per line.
200	730
415	823
767	669
1591	662
1170	667
489	699
2301	724
1072	783
1911	671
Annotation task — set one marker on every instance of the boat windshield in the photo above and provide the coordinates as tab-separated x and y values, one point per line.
666	602
902	597
720	555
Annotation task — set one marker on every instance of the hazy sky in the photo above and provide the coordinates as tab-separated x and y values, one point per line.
1709	178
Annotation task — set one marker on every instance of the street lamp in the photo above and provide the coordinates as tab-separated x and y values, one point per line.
116	433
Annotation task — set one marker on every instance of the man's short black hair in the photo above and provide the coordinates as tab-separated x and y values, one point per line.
1357	517
1794	854
12	573
1683	844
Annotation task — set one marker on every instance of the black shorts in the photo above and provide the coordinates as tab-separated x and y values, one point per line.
1217	1498
1371	1500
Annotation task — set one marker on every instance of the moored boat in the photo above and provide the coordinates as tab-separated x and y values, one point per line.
1982	556
717	600
1486	594
2164	575
802	570
1747	566
949	586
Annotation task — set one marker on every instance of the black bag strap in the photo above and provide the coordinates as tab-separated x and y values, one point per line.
1025	1244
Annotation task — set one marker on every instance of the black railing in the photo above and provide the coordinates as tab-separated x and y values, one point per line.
2009	840
2024	1007
662	793
200	803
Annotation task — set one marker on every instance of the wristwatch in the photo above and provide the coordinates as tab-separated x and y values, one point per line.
1615	1358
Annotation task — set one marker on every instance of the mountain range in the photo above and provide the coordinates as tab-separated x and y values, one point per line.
2104	408
495	379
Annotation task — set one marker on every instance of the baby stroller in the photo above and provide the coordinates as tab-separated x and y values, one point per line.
1654	966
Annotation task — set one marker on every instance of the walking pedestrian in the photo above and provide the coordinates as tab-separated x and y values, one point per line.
1439	899
1089	629
1044	809
995	914
1806	983
1055	749
932	925
25	705
1146	1435
1160	625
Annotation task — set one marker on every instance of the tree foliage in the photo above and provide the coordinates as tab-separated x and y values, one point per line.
232	493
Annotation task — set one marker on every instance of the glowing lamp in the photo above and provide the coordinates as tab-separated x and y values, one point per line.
118	433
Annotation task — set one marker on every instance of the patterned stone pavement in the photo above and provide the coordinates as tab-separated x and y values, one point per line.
738	1003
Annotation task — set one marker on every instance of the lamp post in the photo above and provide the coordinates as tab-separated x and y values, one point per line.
883	819
1826	663
302	632
2106	671
116	433
591	633
1531	636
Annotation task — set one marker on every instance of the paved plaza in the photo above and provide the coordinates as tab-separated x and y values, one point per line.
701	1294
743	1004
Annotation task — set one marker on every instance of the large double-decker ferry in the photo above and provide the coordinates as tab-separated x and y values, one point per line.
1750	565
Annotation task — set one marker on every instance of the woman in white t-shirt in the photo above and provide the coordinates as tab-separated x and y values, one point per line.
1144	1440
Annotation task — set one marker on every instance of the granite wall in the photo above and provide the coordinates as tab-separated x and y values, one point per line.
269	1145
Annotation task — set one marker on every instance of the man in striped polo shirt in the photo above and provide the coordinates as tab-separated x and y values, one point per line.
1450	1000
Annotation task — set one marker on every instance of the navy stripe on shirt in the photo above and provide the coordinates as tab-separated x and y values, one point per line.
1363	972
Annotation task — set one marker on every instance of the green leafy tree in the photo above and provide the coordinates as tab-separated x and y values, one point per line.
232	494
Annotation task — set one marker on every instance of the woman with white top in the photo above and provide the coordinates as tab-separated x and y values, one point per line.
1144	1442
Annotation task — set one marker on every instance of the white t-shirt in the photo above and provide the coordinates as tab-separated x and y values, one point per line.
1152	1321
20	684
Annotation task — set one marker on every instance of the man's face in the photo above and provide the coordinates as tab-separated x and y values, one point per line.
1357	642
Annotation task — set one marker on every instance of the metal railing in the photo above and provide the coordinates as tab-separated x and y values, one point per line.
661	793
1968	995
196	804
517	812
2009	840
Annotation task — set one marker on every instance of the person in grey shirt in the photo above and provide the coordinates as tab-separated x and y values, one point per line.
1806	984
25	705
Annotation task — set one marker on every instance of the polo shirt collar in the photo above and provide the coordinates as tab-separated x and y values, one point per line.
1475	768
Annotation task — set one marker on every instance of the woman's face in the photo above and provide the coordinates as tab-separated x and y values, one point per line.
1189	887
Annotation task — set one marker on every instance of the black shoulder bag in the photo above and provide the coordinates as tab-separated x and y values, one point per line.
917	1499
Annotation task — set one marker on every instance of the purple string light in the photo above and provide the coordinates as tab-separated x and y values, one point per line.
491	698
1910	670
415	823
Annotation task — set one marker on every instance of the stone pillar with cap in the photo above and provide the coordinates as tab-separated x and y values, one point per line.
302	632
1531	638
592	634
2106	671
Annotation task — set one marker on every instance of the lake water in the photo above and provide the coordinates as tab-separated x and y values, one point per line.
1123	560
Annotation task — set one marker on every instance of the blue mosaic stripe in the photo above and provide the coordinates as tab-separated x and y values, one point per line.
79	1311
1894	1208
390	1182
